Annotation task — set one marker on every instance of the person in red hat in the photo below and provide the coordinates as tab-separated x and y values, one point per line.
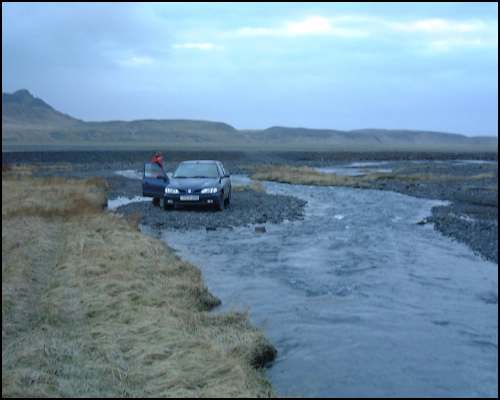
157	159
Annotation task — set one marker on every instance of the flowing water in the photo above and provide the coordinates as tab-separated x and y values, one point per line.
356	168
358	299
113	204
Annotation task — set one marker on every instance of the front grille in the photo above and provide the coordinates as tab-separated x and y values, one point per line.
193	191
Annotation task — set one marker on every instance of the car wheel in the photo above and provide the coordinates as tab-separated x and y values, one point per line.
221	203
156	201
228	200
166	206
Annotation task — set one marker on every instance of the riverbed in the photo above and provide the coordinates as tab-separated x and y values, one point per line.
358	299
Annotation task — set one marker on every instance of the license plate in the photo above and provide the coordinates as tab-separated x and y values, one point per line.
190	198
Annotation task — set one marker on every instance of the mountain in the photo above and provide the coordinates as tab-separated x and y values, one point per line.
29	121
23	108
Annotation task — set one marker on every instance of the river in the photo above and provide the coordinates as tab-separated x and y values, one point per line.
358	299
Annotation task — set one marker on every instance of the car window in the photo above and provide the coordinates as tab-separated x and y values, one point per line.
224	170
221	169
153	171
196	170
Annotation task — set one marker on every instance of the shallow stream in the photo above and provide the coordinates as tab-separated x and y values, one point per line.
358	299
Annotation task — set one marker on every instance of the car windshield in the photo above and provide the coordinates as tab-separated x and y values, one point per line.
196	170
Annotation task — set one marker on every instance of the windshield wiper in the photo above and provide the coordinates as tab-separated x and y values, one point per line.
180	177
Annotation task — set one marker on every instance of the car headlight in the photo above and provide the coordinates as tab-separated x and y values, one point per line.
169	190
210	190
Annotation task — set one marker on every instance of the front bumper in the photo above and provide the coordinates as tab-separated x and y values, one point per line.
203	200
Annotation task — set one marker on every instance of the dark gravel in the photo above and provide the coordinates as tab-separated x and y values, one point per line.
235	161
480	234
247	207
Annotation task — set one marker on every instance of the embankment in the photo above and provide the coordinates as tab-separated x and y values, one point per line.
92	307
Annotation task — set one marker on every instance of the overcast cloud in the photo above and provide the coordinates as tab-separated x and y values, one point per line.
345	66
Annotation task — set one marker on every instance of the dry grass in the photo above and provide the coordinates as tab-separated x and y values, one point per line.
6	168
92	307
256	186
16	170
309	176
303	176
51	196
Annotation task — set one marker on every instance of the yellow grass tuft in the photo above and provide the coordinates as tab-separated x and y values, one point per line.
53	196
303	176
310	176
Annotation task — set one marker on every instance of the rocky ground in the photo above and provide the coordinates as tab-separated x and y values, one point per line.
235	161
248	207
471	217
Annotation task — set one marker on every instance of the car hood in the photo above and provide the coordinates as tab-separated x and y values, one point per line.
193	183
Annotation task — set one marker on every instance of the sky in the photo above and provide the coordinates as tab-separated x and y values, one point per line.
429	66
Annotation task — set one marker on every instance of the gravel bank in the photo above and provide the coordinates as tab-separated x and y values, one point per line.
247	207
480	234
235	161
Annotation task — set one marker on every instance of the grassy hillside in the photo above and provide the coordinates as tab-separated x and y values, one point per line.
22	108
28	121
374	138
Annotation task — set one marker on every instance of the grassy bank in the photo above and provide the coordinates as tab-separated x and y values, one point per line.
310	176
92	307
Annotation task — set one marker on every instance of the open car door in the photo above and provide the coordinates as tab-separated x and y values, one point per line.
154	181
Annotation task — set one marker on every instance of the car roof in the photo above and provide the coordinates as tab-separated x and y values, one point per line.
200	162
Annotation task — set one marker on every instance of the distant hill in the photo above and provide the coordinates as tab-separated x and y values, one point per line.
372	137
29	121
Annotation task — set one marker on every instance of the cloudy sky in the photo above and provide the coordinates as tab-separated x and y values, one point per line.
345	66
